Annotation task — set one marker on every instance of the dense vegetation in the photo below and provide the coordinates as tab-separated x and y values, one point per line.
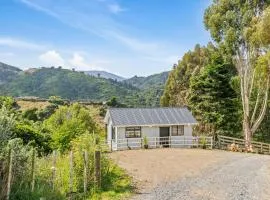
226	84
73	85
62	127
48	82
8	73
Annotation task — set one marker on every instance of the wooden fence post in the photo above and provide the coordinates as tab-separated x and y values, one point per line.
85	174
33	169
111	146
70	173
127	143
54	169
10	160
97	169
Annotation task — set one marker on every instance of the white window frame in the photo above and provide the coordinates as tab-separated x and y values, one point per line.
133	132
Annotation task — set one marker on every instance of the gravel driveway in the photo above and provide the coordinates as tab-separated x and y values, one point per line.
229	176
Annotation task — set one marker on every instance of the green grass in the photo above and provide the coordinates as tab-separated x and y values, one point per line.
117	186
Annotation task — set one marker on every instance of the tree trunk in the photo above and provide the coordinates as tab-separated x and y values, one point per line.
247	133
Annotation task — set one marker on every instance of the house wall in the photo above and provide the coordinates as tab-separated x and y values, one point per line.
146	131
184	141
150	132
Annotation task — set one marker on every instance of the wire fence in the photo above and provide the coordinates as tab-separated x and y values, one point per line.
55	176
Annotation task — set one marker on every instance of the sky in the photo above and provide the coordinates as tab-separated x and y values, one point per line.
125	37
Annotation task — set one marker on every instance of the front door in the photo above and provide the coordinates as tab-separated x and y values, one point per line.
164	133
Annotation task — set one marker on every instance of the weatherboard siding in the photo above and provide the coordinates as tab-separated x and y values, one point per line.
151	131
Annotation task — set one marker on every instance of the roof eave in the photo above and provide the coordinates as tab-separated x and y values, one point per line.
157	125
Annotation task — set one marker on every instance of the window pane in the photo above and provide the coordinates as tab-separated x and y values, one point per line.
174	130
180	130
133	132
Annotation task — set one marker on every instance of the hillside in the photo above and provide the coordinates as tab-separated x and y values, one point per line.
71	85
151	88
149	81
46	82
104	74
7	73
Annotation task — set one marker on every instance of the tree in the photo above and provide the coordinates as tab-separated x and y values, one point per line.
240	28
114	103
212	98
67	123
177	86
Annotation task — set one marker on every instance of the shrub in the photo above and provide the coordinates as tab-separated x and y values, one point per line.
32	136
7	124
67	123
31	114
203	142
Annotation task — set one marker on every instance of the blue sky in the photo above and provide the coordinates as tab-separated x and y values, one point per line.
126	37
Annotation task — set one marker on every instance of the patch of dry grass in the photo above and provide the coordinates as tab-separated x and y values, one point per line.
26	105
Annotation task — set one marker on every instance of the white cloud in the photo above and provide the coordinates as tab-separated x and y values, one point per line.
115	8
79	62
52	58
16	43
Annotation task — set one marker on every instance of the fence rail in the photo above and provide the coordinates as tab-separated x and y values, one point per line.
158	142
260	147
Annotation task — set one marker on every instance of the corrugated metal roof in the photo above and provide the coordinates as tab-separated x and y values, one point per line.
150	116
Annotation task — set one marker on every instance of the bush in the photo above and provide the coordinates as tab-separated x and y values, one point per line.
31	114
203	142
34	137
67	123
47	112
7	124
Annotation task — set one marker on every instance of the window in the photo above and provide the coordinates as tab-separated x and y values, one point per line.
177	130
133	132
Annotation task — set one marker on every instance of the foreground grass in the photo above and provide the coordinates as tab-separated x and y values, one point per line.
118	187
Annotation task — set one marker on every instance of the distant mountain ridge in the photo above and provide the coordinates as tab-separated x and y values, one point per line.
143	82
104	74
75	85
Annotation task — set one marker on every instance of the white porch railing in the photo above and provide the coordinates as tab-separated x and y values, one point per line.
159	142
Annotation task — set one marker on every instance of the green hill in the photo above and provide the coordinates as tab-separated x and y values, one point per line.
8	73
151	88
149	81
72	85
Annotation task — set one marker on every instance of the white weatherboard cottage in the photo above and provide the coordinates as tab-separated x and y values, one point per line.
126	127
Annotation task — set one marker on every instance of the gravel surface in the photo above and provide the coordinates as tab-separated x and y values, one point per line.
240	177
